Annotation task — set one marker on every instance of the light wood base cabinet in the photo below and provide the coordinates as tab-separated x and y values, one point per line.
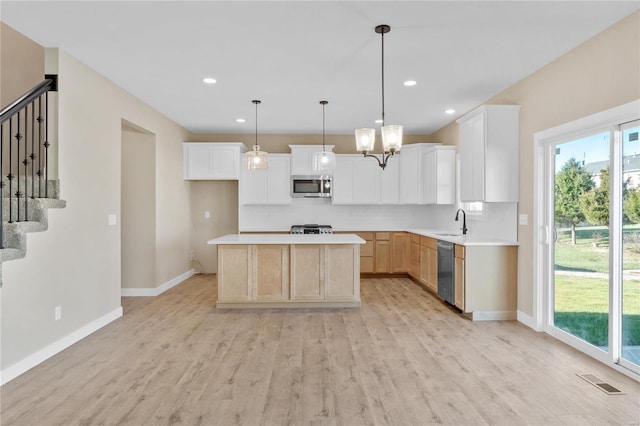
271	272
399	252
458	276
283	275
307	273
490	282
367	252
429	263
384	252
414	256
382	259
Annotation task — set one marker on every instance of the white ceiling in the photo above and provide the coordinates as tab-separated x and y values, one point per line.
291	55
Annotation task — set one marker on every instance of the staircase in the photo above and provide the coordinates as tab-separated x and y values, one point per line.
26	192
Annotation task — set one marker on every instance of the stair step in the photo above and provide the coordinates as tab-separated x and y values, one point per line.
53	190
11	254
15	232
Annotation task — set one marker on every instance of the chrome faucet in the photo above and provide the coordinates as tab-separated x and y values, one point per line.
464	220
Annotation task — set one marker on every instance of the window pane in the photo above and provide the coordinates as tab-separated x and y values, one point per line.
581	251
630	337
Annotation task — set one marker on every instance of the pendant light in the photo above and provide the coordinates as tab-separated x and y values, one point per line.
257	159
391	134
323	160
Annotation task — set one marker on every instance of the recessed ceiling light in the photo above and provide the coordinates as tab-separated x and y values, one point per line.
410	83
449	111
378	121
240	120
209	80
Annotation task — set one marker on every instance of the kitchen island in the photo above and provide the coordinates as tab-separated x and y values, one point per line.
288	271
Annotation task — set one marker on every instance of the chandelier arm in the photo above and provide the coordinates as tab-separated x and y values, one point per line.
382	163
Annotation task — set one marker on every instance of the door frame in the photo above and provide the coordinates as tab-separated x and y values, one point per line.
543	234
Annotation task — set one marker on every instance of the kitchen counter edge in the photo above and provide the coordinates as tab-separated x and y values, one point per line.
462	240
288	239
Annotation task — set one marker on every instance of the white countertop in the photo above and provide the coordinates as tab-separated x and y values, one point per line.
288	239
453	237
463	240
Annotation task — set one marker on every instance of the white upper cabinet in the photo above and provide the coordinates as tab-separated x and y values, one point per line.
489	140
389	180
410	173
439	175
267	186
212	160
359	180
302	159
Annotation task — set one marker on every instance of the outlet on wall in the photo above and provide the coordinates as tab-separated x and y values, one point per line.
207	215
57	312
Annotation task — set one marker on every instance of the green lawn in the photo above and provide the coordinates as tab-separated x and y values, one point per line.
586	258
582	304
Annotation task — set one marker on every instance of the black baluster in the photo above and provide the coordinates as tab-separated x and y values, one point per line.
10	175
33	150
40	147
18	193
46	146
1	186
25	162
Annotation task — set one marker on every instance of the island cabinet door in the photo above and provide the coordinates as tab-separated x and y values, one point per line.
342	273
234	273
307	272
271	272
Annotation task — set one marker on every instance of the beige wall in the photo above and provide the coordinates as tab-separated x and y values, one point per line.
21	64
138	228
220	199
76	263
344	144
601	73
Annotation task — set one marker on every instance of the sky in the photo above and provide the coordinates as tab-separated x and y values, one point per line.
593	148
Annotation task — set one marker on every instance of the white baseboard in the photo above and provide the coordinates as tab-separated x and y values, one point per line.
493	315
127	292
527	320
47	352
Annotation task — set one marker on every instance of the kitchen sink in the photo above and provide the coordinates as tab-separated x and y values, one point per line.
450	235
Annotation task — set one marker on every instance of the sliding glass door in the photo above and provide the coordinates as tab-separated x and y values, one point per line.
590	255
581	233
630	291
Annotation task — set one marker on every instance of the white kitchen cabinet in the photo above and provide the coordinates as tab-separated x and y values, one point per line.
359	180
212	160
439	175
389	180
302	159
267	186
355	181
410	176
489	140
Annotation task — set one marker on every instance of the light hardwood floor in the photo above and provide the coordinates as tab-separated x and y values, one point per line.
403	358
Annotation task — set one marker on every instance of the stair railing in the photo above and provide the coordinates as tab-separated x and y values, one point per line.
24	129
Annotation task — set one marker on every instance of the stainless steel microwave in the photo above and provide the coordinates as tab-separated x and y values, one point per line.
311	186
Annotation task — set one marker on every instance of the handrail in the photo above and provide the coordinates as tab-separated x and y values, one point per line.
25	100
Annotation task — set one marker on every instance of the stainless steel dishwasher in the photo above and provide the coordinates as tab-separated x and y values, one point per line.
446	263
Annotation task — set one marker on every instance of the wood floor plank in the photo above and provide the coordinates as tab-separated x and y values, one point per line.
402	358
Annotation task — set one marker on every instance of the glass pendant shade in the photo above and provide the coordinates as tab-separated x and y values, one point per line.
323	160
257	159
365	139
392	138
